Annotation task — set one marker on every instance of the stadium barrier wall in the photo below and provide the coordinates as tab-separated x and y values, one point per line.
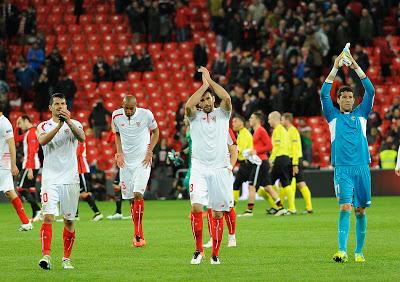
320	182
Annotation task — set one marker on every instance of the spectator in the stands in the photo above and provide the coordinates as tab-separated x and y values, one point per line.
130	60
309	100
373	136
98	119
377	11
117	71
221	29
366	28
35	57
297	91
200	57
237	96
234	32
386	55
56	59
374	120
25	77
395	106
166	27
67	87
120	6
256	10
78	9
43	92
144	61
101	70
276	99
136	16
182	21
214	6
153	22
3	70
220	66
4	89
11	14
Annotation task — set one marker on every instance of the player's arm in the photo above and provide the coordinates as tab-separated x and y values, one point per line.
233	154
194	100
46	137
18	137
368	99
13	156
296	147
155	134
266	146
226	103
276	144
326	101
33	148
397	170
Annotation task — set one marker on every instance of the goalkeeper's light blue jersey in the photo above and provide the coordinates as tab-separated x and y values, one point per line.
348	130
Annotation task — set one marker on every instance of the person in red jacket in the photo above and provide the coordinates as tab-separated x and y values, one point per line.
182	21
30	164
260	175
85	182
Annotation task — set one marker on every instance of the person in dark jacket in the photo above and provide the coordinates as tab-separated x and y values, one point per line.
98	119
67	87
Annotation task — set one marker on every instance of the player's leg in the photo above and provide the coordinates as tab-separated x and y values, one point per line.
7	186
362	199
69	198
140	178
24	187
209	222
50	199
118	199
344	192
230	217
219	201
86	195
242	176
304	190
253	183
198	199
284	172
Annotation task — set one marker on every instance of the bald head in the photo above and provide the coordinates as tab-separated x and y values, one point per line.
274	119
129	105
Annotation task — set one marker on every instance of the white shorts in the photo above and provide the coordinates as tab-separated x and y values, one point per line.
211	187
133	180
65	194
6	180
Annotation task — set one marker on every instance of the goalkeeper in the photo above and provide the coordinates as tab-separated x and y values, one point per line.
350	155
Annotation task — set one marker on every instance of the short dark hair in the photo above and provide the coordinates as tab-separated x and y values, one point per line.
260	116
56	95
344	88
288	116
239	117
26	117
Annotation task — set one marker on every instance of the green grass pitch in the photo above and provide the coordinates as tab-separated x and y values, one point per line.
293	248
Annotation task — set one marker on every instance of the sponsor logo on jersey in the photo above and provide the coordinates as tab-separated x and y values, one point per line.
138	123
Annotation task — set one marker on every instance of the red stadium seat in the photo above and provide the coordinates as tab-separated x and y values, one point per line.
121	86
94	38
89	29
124	38
90	86
134	76
394	90
136	86
105	86
148	76
79	39
105	29
69	19
101	19
117	19
74	29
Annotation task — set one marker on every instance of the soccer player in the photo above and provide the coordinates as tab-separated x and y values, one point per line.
260	173
279	159
8	169
350	155
230	217
85	182
30	164
59	138
134	155
244	142
295	154
210	179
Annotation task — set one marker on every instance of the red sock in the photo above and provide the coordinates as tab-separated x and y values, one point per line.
230	218
20	210
196	219
209	221
69	239
138	210
217	229
46	233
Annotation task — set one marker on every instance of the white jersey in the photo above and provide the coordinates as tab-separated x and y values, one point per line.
209	133
135	134
60	165
6	132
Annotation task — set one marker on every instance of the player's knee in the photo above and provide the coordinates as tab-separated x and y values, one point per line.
85	196
138	196
48	218
68	223
197	208
359	211
218	214
345	207
11	195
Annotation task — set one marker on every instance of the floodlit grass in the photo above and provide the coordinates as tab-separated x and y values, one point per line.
292	248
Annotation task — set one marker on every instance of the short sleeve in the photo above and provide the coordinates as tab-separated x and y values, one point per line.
151	121
113	123
8	130
78	124
41	129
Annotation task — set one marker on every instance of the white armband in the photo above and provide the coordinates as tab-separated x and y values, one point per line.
360	72
331	74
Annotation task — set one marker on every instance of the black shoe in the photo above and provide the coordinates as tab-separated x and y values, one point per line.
271	211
